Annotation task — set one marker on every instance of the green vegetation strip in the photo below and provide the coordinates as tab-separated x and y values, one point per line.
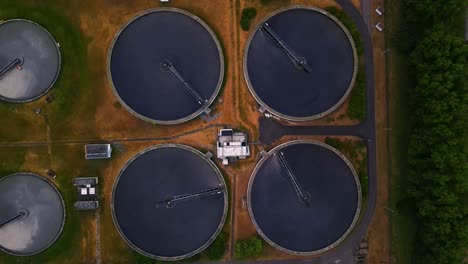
354	150
357	100
349	24
437	173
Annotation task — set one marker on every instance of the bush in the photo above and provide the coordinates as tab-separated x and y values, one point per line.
248	14
218	247
247	248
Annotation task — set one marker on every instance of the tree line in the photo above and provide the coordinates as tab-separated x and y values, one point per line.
431	35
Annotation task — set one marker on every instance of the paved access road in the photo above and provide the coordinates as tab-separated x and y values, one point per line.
271	130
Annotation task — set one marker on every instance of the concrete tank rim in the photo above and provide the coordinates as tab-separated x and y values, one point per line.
270	109
350	227
59	65
221	61
217	172
63	207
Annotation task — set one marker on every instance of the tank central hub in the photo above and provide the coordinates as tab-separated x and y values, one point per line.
170	201
21	214
17	62
299	62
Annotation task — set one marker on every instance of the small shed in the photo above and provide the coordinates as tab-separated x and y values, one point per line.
98	151
87	196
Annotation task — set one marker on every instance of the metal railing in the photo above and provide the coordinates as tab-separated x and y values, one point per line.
301	194
299	62
166	65
171	201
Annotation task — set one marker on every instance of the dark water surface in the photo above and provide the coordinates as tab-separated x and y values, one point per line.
151	39
333	194
152	177
288	90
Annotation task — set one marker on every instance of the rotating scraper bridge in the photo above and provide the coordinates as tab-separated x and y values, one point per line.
16	63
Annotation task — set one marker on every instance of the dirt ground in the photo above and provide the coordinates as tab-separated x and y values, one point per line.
379	232
100	21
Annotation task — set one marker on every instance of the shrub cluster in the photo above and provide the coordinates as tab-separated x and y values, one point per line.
217	248
248	14
248	248
349	24
438	182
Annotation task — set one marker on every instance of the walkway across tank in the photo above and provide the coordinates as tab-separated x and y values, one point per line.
169	202
29	61
166	66
32	214
300	63
304	197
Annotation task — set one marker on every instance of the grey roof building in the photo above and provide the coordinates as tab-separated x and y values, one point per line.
87	196
98	151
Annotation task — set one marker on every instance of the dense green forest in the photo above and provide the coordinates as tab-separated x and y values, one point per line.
431	34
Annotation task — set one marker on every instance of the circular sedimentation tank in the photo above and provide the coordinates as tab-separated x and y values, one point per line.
300	63
169	202
304	197
32	214
29	61
166	66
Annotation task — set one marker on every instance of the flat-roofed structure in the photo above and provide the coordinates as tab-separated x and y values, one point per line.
98	151
87	195
232	145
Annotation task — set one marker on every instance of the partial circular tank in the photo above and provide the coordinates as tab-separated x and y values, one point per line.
300	63
169	202
304	197
29	61
32	214
166	66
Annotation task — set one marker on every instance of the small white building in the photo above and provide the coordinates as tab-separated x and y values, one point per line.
380	10
98	151
232	145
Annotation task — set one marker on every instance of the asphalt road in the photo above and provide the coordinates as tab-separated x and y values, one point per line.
271	130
